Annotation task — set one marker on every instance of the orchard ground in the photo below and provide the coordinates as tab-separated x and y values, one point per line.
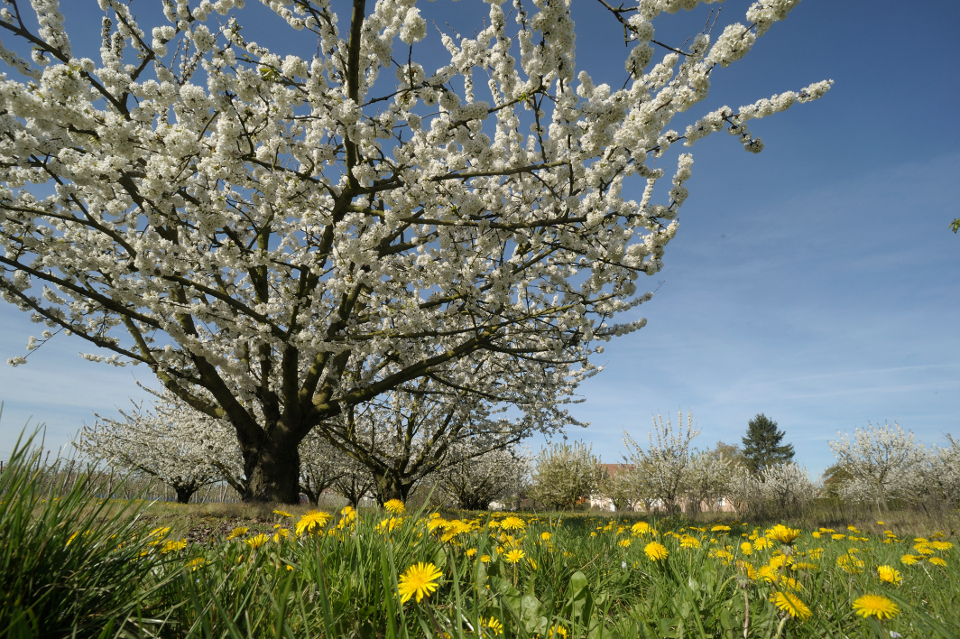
78	564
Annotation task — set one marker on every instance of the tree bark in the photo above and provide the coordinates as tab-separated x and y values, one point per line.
312	497
184	493
273	471
390	486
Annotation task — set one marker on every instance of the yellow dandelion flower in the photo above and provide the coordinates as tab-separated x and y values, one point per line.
256	541
419	579
889	574
160	532
173	546
924	549
853	529
746	548
282	533
720	528
435	523
655	551
838	536
624	543
791	604
850	564
909	560
783	534
545	536
197	563
557	632
640	528
767	573
471	552
789	582
512	523
493	624
761	543
721	553
237	532
941	545
816	534
282	513
485	559
875	606
937	561
313	520
688	541
514	556
395	507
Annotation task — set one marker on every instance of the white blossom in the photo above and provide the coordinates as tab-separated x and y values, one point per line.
169	442
281	238
563	474
882	461
667	464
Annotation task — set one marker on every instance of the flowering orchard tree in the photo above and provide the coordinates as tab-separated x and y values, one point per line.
282	238
170	442
667	463
776	491
320	466
475	478
564	474
882	462
708	479
940	477
425	425
355	483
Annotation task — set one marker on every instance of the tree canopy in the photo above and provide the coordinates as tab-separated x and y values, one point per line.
281	238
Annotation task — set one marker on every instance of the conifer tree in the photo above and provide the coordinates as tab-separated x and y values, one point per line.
762	448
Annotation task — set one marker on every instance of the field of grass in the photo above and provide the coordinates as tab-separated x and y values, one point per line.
75	565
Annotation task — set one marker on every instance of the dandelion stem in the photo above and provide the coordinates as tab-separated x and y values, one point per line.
780	627
746	616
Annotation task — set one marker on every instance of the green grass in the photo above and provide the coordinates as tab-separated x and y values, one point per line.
74	565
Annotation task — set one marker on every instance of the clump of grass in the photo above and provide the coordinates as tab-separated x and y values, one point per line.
71	565
282	572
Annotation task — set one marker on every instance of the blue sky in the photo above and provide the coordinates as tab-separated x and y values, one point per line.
816	282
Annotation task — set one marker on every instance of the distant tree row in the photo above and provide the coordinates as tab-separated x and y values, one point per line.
876	465
670	474
402	449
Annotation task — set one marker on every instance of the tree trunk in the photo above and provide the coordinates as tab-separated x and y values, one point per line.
475	502
184	493
312	497
390	486
273	472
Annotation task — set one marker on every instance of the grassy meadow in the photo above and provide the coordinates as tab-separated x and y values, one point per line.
75	565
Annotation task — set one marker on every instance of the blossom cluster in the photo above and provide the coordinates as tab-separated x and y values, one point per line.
280	238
